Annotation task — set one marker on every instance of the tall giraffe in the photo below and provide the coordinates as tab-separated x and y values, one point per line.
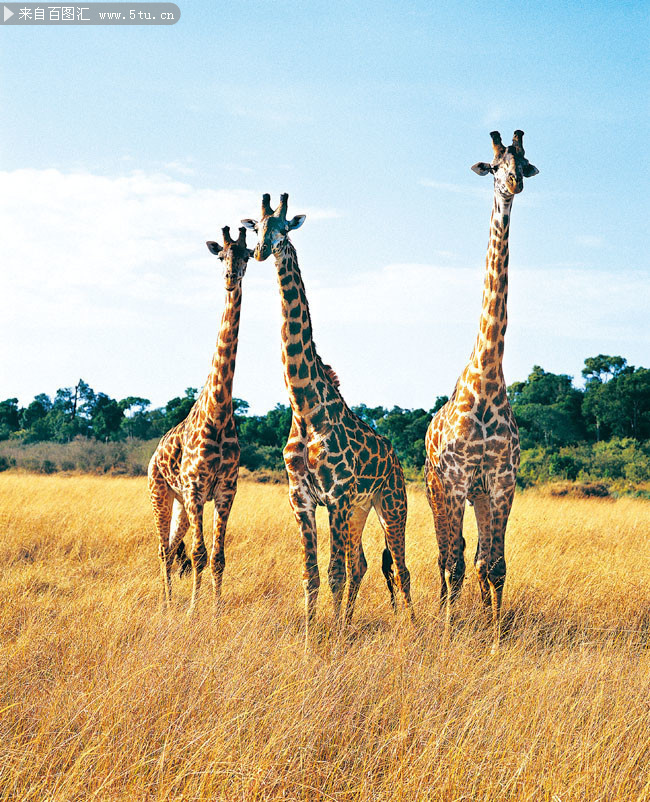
472	443
332	457
198	460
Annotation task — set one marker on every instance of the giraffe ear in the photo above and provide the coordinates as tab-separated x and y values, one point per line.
250	224
214	247
296	221
530	170
482	168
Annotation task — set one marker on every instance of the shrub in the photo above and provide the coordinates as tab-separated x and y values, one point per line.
564	466
579	490
6	462
533	467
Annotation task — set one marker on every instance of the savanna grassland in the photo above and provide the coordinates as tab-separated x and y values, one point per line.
104	697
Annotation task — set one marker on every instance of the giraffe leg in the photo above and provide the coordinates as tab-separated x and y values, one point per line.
436	499
161	502
501	503
222	506
304	510
390	505
355	558
337	570
483	515
194	510
448	507
455	563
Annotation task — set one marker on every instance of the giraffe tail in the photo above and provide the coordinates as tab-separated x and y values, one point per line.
183	559
389	574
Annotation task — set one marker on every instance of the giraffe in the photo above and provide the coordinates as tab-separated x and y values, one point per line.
472	444
332	457
198	460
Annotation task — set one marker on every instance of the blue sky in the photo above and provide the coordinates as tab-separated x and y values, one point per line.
124	149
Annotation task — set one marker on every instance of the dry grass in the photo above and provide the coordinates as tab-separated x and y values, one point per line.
105	698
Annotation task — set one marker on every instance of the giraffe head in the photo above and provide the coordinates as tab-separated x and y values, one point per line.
273	227
234	255
509	166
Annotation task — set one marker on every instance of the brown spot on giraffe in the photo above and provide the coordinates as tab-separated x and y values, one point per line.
198	460
332	457
472	443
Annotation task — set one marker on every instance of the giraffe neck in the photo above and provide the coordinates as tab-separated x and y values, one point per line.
487	356
308	383
216	397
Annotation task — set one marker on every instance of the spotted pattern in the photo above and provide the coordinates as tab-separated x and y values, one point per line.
472	443
198	460
332	457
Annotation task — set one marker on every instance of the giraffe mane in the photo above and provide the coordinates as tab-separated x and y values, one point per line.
329	371
331	375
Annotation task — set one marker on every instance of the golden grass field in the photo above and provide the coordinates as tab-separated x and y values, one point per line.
104	697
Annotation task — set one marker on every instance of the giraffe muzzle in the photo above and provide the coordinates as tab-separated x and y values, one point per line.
262	252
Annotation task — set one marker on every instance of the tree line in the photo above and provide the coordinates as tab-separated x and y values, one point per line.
602	429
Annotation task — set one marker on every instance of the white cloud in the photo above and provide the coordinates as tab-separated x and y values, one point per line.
132	235
108	278
459	189
413	326
493	115
105	276
590	241
575	303
235	168
136	236
180	167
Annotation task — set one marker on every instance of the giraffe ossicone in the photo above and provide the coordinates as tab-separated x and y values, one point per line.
472	443
332	457
198	460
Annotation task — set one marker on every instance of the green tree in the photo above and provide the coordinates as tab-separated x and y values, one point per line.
546	425
370	415
177	409
620	406
262	437
634	395
70	413
441	400
240	407
598	370
548	409
9	417
64	401
56	425
137	418
106	416
603	367
37	410
157	422
406	430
